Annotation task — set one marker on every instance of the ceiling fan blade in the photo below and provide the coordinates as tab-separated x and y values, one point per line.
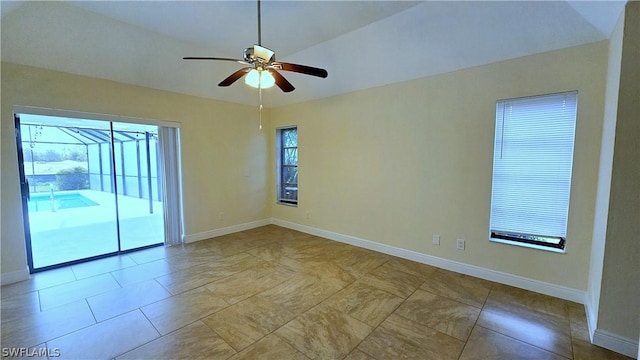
282	83
235	76
214	58
308	70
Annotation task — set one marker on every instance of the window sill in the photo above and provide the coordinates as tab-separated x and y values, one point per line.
287	204
530	246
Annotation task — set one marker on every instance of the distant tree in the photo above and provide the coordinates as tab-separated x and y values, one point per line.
75	178
51	155
76	155
48	155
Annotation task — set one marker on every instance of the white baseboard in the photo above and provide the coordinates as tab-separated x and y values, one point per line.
15	276
591	310
542	287
224	231
604	338
615	343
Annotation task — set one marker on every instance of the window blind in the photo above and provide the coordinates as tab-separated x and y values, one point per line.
532	165
169	154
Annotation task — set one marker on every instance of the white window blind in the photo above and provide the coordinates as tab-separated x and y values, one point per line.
169	153
532	165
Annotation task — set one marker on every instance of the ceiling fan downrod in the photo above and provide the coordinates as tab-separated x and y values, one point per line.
259	25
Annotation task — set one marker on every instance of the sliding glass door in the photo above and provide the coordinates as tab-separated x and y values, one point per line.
137	170
90	188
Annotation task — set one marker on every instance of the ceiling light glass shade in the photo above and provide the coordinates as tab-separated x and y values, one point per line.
266	80
259	79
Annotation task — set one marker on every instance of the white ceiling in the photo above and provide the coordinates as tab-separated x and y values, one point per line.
362	44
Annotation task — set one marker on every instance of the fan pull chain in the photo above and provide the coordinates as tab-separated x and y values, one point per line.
260	107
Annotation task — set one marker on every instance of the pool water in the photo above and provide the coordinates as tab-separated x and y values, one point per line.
40	203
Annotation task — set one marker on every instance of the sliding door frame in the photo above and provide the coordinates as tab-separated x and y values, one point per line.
24	191
24	184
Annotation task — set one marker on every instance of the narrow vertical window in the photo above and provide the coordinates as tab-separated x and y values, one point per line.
287	163
532	164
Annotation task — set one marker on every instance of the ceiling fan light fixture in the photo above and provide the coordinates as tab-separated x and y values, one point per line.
266	79
259	79
262	70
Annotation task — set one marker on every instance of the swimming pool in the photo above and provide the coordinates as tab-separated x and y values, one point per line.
40	203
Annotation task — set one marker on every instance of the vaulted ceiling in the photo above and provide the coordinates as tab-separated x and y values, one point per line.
362	44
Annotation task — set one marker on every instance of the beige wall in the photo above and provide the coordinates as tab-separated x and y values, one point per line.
399	163
619	311
601	217
223	152
613	293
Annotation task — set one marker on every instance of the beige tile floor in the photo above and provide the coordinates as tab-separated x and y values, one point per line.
274	293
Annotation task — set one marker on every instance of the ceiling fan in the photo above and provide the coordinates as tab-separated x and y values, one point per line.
263	69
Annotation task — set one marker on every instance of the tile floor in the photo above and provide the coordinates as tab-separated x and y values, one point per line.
274	293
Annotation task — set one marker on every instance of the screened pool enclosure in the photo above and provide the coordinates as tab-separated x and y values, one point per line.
93	187
68	158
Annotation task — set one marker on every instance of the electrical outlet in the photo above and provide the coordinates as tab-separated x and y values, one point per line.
221	216
308	214
460	244
436	239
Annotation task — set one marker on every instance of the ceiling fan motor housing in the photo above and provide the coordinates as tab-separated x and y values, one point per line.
259	54
247	54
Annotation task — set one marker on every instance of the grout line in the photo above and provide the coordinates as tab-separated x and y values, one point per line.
220	336
524	342
141	345
86	300
475	323
73	272
39	301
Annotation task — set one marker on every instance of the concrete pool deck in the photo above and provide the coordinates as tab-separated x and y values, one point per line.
76	233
